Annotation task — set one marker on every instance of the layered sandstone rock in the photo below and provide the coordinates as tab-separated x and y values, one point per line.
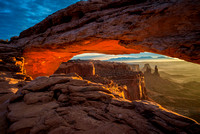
69	104
12	74
115	27
113	74
123	74
12	77
148	71
83	68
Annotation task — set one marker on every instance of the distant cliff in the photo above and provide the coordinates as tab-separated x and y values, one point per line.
147	70
112	74
182	98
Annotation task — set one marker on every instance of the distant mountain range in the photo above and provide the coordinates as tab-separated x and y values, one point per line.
137	58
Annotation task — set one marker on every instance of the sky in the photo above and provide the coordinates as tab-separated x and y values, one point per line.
141	57
19	15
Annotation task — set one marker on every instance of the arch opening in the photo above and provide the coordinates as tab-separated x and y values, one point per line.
44	61
171	82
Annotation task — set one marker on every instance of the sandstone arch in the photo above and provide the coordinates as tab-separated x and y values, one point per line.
113	27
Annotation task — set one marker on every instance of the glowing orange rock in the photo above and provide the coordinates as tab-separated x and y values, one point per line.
41	61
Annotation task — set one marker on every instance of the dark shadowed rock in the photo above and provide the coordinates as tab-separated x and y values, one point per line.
156	73
12	77
82	68
89	110
31	98
41	83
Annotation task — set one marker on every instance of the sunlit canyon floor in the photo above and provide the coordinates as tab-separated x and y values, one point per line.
178	89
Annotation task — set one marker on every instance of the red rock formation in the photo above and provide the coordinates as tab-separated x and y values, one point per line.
146	69
44	62
67	104
84	69
115	27
12	77
120	73
156	73
12	73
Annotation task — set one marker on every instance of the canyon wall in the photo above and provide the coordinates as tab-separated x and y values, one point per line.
112	27
12	77
115	73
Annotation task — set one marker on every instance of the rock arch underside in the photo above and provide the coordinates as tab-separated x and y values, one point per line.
169	27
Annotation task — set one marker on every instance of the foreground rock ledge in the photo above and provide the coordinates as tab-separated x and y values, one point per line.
110	26
62	104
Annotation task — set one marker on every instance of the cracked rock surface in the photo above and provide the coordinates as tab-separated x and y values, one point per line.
70	105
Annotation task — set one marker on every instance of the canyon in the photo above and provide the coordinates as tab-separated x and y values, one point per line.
115	75
91	97
181	97
91	102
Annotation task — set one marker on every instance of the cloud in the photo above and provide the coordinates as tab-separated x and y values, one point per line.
124	57
18	15
130	58
138	58
93	56
5	11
